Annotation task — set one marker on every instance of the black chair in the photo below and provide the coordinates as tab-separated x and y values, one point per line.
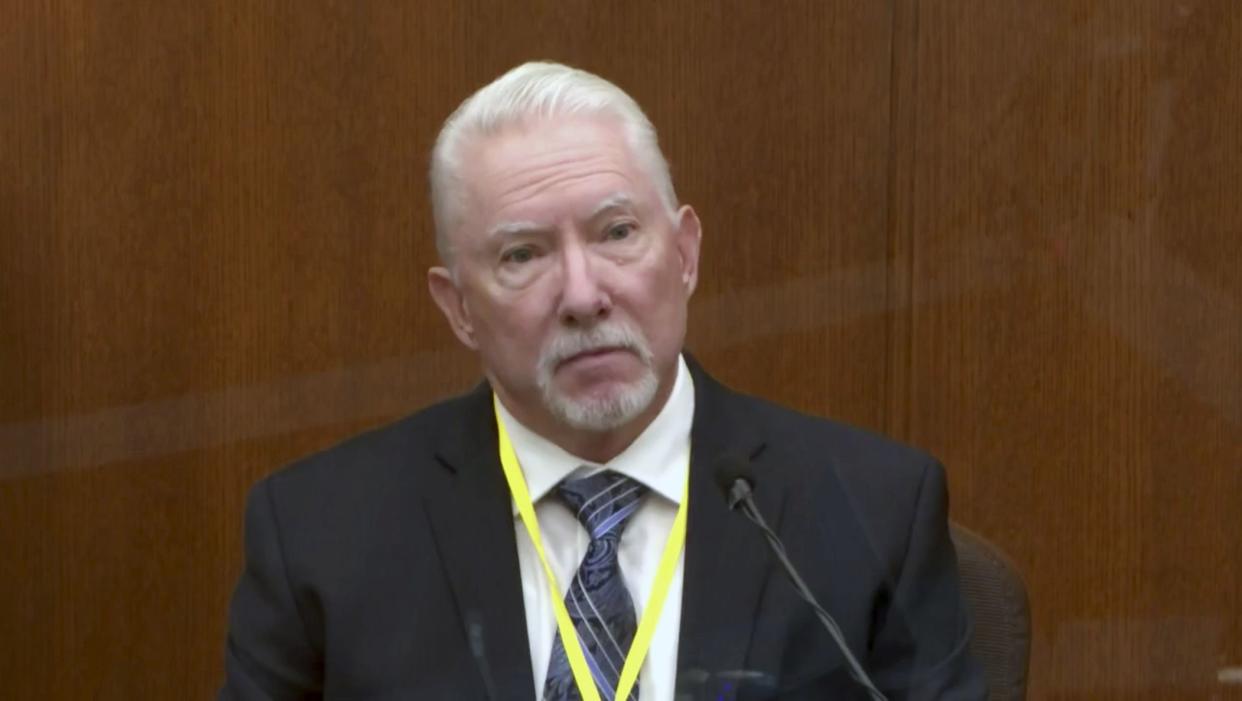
997	598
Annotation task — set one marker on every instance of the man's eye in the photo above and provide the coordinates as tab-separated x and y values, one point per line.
616	232
517	255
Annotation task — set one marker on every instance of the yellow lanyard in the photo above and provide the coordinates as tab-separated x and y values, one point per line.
569	637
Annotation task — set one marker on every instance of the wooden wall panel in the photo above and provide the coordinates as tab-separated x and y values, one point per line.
214	232
1075	320
1005	231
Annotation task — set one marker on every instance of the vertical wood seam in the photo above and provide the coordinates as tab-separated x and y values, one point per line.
903	84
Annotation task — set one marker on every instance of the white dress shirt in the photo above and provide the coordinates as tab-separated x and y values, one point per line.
658	458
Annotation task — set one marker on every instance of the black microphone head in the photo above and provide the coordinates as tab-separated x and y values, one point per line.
729	470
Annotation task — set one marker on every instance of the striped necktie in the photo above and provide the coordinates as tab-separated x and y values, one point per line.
598	602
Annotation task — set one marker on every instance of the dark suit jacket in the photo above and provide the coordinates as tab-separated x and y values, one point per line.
386	567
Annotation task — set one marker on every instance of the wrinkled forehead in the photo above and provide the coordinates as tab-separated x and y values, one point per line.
549	168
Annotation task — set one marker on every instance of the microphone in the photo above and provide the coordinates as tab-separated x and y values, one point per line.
733	476
737	482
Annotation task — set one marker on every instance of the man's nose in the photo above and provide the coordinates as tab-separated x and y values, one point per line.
584	301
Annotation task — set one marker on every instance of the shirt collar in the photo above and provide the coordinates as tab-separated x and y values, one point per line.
658	458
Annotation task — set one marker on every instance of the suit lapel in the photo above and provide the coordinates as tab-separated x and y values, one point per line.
472	523
727	563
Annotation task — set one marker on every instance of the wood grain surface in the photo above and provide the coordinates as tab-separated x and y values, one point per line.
1007	232
1076	328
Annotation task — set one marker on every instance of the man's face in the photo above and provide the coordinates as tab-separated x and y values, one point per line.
572	277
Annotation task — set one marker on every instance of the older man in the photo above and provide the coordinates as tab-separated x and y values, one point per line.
557	533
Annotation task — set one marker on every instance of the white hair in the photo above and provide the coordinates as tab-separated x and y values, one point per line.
534	91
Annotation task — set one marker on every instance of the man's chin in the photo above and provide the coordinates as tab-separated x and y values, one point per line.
602	406
593	387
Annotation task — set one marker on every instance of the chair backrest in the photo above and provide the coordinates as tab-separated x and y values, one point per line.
996	595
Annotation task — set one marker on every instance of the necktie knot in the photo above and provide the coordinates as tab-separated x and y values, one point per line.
603	502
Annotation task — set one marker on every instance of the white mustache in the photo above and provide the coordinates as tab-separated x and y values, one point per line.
612	335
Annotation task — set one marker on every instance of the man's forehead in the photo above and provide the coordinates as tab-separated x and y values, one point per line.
581	164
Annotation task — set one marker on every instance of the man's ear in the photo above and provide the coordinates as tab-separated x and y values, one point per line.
689	236
449	298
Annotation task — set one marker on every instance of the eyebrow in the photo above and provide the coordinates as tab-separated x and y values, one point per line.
506	230
616	201
516	228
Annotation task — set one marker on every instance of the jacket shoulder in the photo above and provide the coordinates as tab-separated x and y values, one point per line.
854	451
884	482
374	460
